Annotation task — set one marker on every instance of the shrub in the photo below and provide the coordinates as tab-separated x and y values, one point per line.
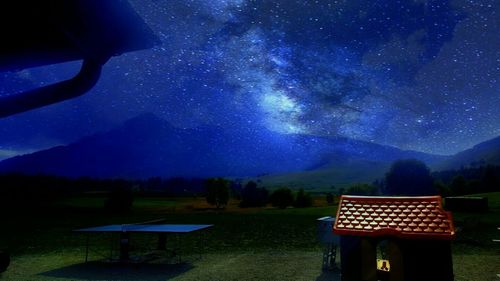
252	196
329	198
217	192
235	189
442	188
341	191
303	199
281	198
459	185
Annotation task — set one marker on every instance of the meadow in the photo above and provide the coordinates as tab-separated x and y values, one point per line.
245	244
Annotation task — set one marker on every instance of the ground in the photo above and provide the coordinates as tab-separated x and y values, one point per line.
245	244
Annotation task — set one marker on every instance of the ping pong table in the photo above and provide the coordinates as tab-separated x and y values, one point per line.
126	229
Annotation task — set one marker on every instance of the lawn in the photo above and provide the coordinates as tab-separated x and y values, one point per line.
244	244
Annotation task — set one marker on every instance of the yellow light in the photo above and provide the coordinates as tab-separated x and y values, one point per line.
383	265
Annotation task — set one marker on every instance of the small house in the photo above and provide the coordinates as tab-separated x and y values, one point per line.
412	233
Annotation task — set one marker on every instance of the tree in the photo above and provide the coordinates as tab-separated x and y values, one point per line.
235	189
490	179
442	188
281	198
252	196
459	185
303	199
409	177
217	192
329	198
341	191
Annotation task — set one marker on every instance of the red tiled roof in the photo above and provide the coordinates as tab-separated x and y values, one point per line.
404	217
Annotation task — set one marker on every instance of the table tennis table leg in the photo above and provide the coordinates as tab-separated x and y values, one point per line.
162	241
204	246
124	246
200	246
180	247
87	247
112	238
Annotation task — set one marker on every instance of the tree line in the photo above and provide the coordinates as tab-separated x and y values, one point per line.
405	177
219	190
36	190
412	177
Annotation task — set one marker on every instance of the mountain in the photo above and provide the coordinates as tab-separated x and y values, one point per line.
340	173
148	146
484	153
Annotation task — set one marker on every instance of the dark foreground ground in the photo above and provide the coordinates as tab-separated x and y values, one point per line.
245	244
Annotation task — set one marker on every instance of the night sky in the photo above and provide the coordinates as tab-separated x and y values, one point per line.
421	75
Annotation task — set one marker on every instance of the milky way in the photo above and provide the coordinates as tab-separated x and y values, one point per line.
419	75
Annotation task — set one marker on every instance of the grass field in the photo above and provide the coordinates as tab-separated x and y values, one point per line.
245	244
321	180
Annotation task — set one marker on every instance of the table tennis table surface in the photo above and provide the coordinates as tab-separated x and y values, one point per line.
151	228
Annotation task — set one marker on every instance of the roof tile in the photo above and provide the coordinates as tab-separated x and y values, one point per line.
404	217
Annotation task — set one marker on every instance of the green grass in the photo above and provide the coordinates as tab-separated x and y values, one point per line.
475	232
493	199
245	244
271	265
95	202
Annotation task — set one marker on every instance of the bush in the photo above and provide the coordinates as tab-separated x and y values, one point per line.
341	191
303	199
235	189
442	188
252	196
490	178
281	198
329	198
459	185
409	177
362	189
217	192
471	180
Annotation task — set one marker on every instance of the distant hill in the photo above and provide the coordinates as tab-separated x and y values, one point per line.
340	173
484	153
148	146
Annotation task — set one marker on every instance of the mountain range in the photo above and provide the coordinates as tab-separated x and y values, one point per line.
484	153
148	146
